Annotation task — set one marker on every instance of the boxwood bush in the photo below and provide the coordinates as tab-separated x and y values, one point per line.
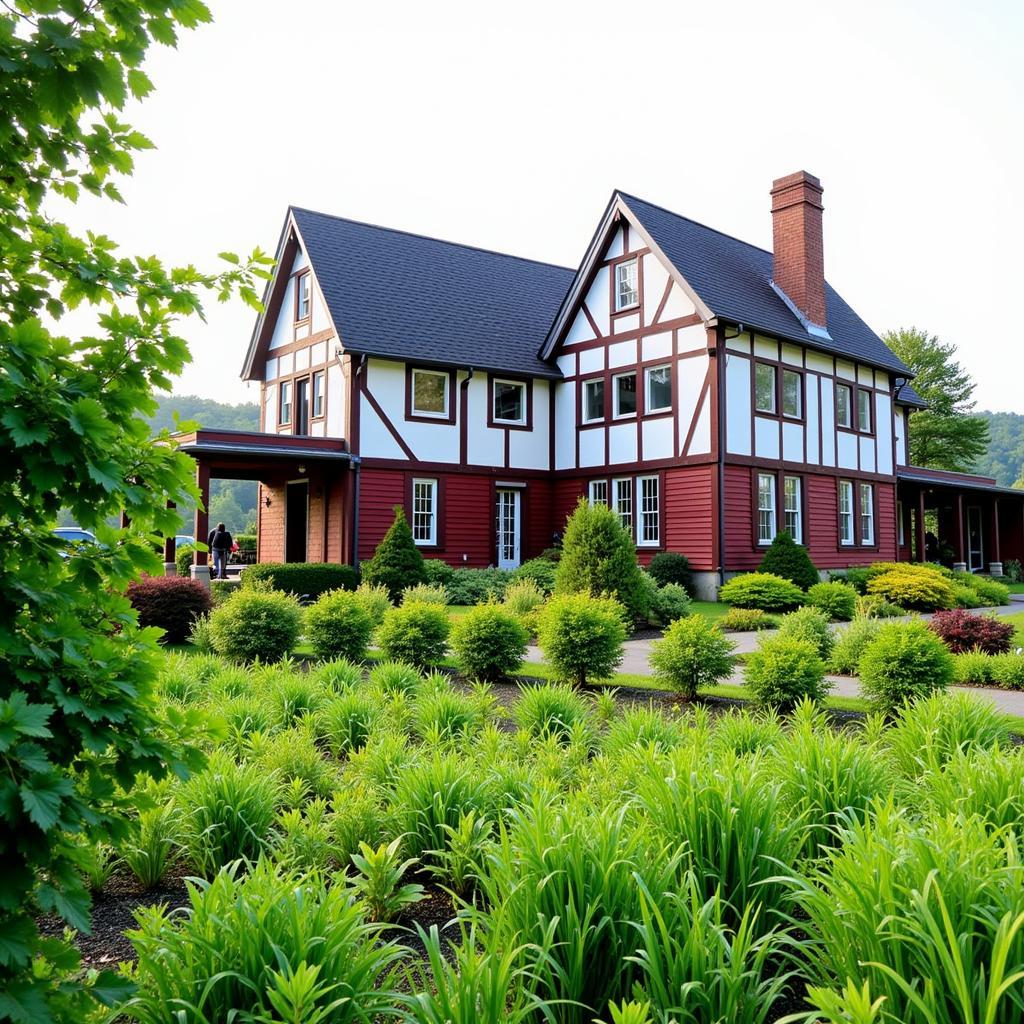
304	579
692	653
256	624
837	600
671	567
489	642
183	555
415	633
789	560
761	590
905	661
471	586
339	626
784	671
169	603
582	636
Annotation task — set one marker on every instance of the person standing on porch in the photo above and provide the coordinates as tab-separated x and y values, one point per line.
220	543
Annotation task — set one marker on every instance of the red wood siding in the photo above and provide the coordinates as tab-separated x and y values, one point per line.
738	513
686	508
467	526
380	491
566	494
539	520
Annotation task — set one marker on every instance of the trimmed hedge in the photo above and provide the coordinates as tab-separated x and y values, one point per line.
761	590
837	600
746	620
472	586
183	559
169	603
304	579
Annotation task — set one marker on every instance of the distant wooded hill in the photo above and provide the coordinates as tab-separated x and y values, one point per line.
1005	457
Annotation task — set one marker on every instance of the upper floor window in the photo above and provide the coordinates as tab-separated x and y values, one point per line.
627	293
765	508
793	507
593	400
430	393
284	408
764	388
598	492
649	532
509	401
844	406
867	514
864	410
792	394
318	393
845	512
302	296
659	389
624	388
424	512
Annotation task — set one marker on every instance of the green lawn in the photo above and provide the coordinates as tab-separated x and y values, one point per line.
713	610
1018	622
1016	588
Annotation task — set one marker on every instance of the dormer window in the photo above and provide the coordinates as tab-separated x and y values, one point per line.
627	291
302	299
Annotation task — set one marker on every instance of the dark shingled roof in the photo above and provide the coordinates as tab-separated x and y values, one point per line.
732	279
408	297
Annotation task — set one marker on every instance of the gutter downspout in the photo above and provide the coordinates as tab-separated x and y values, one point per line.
355	461
720	387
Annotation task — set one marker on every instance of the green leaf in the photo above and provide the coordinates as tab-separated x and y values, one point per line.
111	988
42	795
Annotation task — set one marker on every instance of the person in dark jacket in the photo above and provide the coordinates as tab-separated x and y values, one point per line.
220	543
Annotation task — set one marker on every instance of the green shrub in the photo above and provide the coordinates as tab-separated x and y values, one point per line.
540	571
990	592
875	606
789	560
761	590
972	668
183	555
966	597
489	642
856	576
472	586
809	624
918	587
378	880
256	625
692	653
425	593
357	816
228	811
375	600
264	945
837	600
302	840
245	541
397	562
905	661
551	710
169	603
522	599
338	626
599	557
415	633
1008	671
437	571
669	603
746	620
347	722
671	567
784	671
850	644
304	579
199	635
1013	571
582	636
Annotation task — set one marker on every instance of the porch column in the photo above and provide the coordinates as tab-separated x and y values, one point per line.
170	550
919	539
995	567
960	562
200	566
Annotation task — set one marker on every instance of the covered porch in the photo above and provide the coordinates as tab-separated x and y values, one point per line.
966	522
308	487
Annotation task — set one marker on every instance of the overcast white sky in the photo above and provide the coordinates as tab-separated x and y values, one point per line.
508	126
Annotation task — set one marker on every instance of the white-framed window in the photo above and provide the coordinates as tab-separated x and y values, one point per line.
302	296
867	514
864	411
509	401
430	393
766	508
659	388
624	394
764	388
598	492
284	405
844	406
900	535
593	400
318	393
623	490
424	512
627	290
792	507
792	394
845	512
649	532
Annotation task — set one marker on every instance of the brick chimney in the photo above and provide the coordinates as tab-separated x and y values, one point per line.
799	258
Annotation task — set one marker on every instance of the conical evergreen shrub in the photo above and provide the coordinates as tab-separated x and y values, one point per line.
397	563
790	560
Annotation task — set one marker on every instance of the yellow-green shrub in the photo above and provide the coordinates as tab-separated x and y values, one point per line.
917	587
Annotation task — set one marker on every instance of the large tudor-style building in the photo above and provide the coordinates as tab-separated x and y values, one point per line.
713	393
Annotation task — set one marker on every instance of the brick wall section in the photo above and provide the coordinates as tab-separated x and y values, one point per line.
271	537
799	263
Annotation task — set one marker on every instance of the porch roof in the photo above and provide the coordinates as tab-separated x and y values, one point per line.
258	446
955	481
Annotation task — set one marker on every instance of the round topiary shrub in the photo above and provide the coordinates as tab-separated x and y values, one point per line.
905	661
691	654
671	567
582	636
789	560
761	590
339	626
256	624
809	624
917	587
170	603
960	631
837	600
784	671
397	562
415	633
669	603
489	642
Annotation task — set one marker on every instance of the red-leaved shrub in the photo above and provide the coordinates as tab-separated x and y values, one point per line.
961	631
170	602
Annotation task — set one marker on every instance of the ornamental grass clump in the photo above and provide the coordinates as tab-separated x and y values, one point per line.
904	662
551	710
581	636
153	843
784	671
692	653
338	626
443	715
347	721
746	620
642	727
489	642
983	782
745	732
395	677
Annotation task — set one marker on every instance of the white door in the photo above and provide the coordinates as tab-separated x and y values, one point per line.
975	540
507	525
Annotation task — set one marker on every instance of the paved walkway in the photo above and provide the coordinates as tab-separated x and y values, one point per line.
636	661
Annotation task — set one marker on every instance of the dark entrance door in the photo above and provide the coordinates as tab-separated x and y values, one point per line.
302	406
296	522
